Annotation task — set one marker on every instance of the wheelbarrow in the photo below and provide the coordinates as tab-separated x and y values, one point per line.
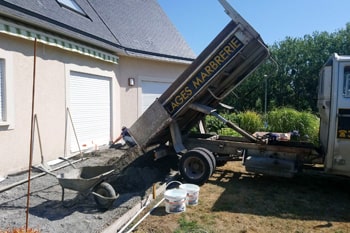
90	179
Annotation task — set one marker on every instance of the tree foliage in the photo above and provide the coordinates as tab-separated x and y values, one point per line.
290	77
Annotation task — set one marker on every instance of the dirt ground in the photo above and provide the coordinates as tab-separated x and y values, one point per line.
235	201
231	201
133	178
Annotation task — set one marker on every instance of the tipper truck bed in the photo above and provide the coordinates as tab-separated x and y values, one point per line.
233	54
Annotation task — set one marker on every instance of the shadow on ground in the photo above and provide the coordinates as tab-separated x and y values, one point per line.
304	197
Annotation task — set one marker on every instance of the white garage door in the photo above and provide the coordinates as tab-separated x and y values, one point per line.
152	90
90	107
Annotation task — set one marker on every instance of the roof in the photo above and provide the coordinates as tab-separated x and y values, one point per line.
134	27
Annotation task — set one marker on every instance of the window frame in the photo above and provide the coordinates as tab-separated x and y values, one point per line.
346	82
73	6
2	91
7	119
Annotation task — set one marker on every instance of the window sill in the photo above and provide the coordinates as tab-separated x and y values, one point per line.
4	125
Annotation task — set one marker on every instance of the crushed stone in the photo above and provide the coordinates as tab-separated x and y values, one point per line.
134	175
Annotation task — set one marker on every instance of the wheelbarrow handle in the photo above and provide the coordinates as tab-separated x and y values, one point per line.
67	160
43	169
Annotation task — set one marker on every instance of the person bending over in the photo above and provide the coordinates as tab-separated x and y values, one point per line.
126	137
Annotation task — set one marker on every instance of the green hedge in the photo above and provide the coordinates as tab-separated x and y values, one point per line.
279	120
287	120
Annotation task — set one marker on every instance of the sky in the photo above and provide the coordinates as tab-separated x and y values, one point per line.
199	21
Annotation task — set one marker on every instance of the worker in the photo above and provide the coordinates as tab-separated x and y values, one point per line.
126	137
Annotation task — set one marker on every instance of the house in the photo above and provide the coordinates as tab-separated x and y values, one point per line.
93	67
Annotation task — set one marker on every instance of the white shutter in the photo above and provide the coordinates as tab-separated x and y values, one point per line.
152	90
90	107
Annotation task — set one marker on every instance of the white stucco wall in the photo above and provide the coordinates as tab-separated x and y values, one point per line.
53	66
141	69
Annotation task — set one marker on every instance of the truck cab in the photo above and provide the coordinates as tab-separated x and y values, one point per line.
334	108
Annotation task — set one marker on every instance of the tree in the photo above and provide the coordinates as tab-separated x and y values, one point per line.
292	72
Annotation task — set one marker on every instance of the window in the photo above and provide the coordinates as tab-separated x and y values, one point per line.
320	84
72	5
2	91
346	82
6	91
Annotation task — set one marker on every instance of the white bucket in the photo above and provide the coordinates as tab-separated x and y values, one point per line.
192	193
175	200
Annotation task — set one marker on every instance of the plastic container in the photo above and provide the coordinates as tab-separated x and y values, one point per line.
192	193
175	200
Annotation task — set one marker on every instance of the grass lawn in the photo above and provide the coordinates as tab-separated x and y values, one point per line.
235	201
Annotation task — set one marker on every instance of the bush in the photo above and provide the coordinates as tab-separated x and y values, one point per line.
288	120
279	120
250	121
228	132
213	124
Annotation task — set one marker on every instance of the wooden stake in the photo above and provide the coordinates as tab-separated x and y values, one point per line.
31	136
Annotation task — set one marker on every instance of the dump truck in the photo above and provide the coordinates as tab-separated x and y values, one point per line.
229	59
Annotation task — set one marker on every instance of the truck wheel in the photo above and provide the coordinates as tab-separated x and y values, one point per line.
196	167
105	195
210	154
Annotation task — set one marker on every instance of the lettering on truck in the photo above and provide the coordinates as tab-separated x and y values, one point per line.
204	75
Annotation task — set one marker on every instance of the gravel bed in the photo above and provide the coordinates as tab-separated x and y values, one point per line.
135	174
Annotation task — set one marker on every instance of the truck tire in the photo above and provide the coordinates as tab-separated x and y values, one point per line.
107	192
210	154
196	167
